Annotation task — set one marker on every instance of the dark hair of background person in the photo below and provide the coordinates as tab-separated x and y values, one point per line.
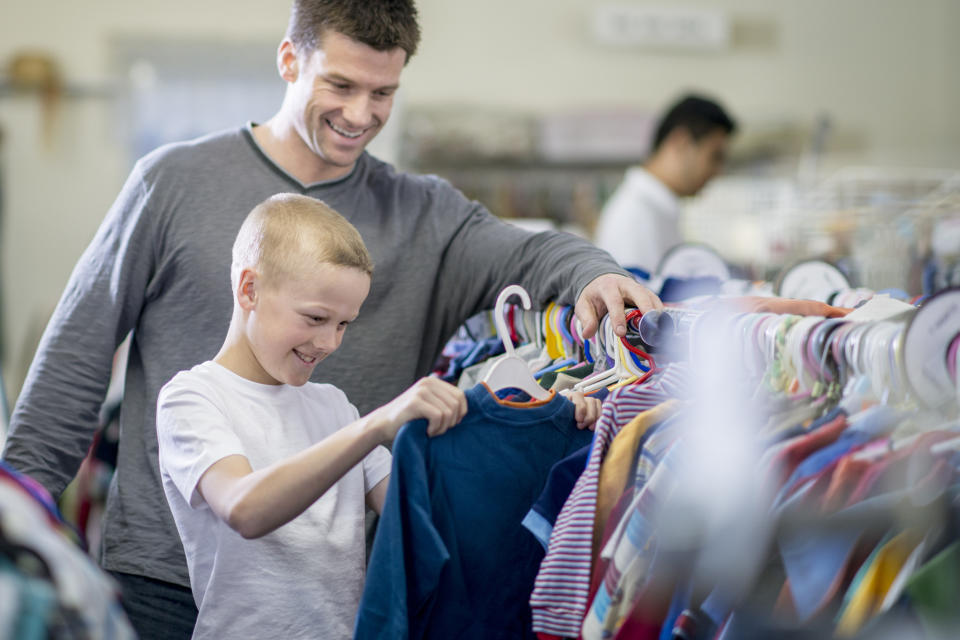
696	114
382	25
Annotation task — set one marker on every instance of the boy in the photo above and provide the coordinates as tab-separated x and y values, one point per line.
260	467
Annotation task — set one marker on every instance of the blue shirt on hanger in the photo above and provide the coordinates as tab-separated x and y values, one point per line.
450	558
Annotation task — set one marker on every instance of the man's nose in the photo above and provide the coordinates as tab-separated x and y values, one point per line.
356	111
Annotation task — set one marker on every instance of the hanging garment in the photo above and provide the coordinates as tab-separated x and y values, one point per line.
563	476
559	600
451	559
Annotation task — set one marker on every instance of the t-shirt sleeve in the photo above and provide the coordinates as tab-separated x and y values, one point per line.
376	467
376	464
192	434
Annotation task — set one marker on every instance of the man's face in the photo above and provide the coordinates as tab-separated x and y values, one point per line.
296	324
704	159
342	96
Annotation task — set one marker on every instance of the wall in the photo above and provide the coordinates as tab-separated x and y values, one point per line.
882	69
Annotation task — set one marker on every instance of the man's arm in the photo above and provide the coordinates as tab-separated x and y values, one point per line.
487	254
57	412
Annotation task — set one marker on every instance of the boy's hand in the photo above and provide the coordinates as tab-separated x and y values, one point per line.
587	409
442	404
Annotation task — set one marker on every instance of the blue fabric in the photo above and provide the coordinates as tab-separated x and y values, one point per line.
820	460
467	355
450	558
539	526
875	421
799	430
826	418
813	562
815	558
677	289
563	475
866	426
680	601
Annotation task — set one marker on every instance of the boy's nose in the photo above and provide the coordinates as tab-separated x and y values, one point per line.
325	341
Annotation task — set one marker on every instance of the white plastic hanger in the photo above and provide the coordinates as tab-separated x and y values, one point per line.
614	374
512	371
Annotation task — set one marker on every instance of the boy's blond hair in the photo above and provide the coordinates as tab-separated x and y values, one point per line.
288	235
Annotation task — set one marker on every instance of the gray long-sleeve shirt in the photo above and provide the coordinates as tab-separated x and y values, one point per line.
160	265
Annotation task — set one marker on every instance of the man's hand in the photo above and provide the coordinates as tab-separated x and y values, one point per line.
609	294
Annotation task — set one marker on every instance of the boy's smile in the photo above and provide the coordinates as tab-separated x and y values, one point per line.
295	324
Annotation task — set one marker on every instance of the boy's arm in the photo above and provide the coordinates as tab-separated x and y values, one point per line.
378	495
254	503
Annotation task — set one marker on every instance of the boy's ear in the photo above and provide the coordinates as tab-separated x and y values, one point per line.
287	63
248	288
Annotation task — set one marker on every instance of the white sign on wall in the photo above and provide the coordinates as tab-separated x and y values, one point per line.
661	27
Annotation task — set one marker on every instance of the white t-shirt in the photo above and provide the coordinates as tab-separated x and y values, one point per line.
303	580
640	222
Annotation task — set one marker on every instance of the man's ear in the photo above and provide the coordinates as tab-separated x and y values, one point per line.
287	63
248	289
680	138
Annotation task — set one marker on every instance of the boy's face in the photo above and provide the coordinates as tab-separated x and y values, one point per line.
295	324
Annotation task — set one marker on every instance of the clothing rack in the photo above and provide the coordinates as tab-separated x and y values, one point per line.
717	537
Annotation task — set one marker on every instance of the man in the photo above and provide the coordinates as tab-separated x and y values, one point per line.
159	262
641	220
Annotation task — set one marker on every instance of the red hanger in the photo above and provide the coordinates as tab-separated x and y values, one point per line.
636	313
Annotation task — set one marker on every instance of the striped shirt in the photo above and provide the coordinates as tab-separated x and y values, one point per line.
560	594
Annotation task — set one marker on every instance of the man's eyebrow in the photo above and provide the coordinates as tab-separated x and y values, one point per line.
336	77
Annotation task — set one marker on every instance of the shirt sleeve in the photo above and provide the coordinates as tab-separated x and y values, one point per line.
58	409
376	467
376	464
486	254
192	434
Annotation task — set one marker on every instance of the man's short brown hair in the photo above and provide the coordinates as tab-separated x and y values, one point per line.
380	24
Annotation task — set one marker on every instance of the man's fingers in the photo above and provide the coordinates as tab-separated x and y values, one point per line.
587	316
613	301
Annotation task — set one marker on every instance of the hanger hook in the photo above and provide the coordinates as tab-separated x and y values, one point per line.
498	317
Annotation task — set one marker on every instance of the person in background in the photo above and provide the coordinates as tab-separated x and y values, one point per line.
641	220
156	267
